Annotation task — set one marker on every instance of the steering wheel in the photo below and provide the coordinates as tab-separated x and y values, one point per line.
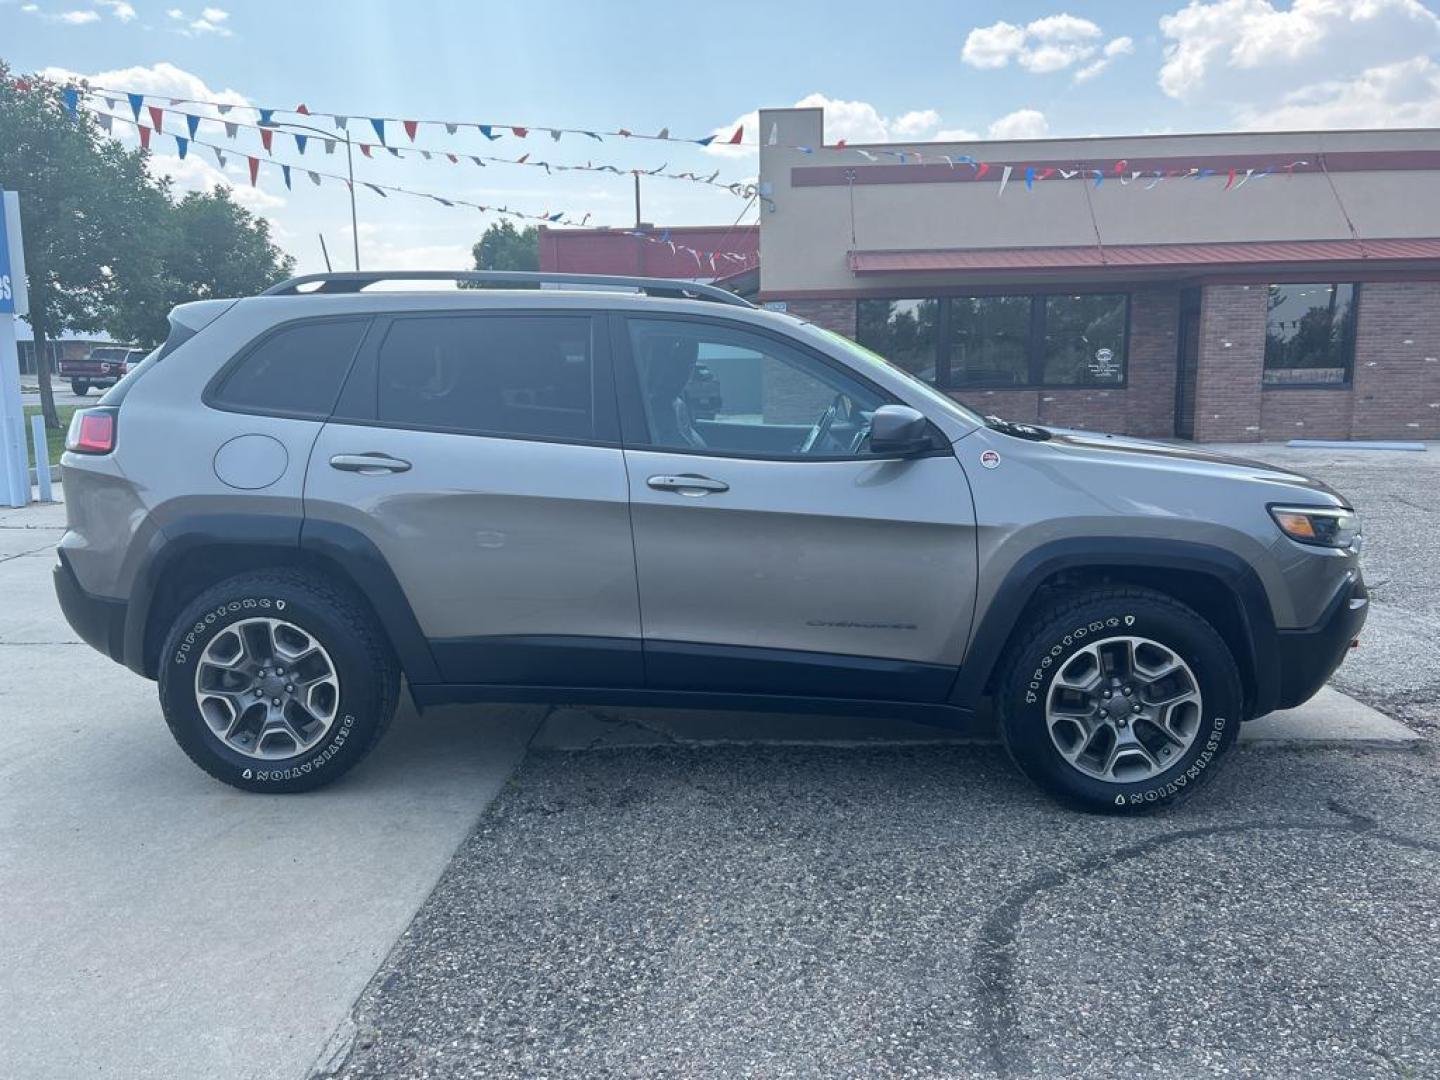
821	428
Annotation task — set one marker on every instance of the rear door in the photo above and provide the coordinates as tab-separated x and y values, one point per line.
480	454
775	553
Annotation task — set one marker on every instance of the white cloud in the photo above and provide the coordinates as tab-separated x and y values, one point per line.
1404	94
215	15
175	13
1120	46
1046	45
121	10
1239	50
210	21
1021	124
160	80
78	18
196	174
914	125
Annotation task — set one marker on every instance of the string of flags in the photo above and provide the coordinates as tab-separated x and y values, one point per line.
158	114
383	124
717	261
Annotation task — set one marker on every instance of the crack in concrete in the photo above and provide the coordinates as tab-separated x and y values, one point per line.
993	960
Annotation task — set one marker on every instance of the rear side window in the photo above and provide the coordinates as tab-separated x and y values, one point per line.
297	370
518	375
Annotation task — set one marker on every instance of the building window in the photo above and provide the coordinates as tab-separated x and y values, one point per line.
1309	334
1022	340
905	332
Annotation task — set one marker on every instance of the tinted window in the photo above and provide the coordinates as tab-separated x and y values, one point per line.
1084	340
1309	334
498	375
905	332
714	388
296	370
989	340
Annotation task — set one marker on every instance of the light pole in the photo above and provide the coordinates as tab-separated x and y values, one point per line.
349	168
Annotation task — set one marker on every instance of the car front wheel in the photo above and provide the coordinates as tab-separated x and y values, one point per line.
79	388
1119	700
277	681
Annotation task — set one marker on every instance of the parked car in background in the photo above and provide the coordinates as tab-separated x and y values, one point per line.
506	496
102	368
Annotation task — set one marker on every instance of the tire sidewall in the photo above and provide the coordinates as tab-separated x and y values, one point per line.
356	713
1023	709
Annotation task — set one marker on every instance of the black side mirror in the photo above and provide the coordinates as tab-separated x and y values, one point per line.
899	431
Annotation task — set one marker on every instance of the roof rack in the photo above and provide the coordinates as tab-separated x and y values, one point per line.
353	281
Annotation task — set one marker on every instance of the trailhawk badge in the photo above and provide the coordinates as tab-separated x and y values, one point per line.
990	459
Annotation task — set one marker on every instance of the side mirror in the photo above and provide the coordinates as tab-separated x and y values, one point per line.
899	431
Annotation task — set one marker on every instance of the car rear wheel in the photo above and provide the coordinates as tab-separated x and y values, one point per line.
1119	700
79	387
277	681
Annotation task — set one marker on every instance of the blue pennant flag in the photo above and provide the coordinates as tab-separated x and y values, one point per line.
706	141
594	136
1030	177
485	130
266	116
300	141
393	151
193	123
136	101
379	126
378	191
182	145
1204	173
442	202
285	171
71	97
1099	177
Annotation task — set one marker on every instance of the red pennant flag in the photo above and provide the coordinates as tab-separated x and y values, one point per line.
841	144
522	132
254	169
1120	166
522	159
624	134
157	118
1230	181
302	110
982	169
739	134
266	138
410	126
453	159
1044	174
365	149
144	137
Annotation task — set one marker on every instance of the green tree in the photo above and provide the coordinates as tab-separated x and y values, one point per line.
504	248
208	246
87	206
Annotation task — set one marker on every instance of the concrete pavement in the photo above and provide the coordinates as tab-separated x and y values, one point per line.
155	923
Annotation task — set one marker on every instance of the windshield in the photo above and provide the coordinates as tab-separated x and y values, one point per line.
868	358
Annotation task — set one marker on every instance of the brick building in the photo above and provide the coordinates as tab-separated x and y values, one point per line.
1176	298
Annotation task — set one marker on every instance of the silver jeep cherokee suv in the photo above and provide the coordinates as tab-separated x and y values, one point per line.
504	495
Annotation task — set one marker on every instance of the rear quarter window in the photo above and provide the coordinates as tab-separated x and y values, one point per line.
297	370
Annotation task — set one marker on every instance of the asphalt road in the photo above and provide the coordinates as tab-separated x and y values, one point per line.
920	911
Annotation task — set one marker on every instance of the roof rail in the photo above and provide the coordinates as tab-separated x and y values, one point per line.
353	281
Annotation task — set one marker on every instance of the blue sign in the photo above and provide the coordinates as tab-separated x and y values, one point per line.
7	289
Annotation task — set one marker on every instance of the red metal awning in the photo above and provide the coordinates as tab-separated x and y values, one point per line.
1150	256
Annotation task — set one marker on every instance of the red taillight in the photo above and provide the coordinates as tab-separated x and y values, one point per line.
92	431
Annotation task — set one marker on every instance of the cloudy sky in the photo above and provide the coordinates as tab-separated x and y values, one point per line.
897	71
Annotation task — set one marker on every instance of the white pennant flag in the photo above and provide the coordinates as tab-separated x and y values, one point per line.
231	129
329	146
450	129
105	120
314	177
1004	179
341	121
224	109
774	135
110	101
425	154
219	156
554	134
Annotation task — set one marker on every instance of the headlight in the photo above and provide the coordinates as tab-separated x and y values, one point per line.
1323	526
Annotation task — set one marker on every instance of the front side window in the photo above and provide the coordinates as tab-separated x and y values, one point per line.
296	371
1021	340
508	375
1309	334
723	390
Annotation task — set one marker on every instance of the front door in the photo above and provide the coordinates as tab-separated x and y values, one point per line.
775	553
479	454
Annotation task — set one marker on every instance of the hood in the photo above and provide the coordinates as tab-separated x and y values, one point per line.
1183	458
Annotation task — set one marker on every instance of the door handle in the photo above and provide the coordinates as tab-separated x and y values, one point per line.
371	464
687	484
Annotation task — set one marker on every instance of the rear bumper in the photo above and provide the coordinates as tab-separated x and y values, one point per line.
98	620
1308	657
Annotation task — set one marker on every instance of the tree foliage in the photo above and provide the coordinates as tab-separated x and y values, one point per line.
504	248
106	245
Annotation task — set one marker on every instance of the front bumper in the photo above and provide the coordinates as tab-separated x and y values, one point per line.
1310	656
98	620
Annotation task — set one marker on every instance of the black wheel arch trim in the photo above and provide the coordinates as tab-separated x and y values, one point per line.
346	550
1021	583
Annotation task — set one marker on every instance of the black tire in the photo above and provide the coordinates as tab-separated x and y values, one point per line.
368	677
1062	629
80	389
